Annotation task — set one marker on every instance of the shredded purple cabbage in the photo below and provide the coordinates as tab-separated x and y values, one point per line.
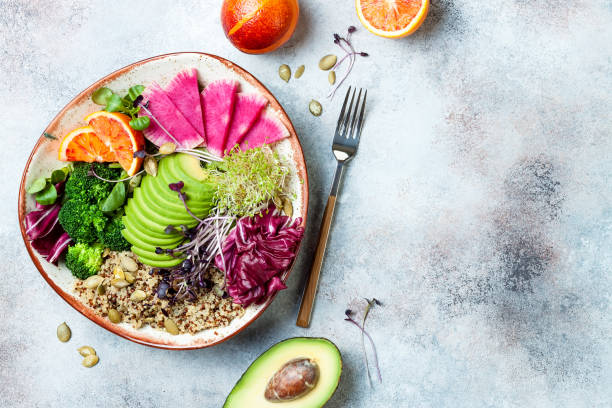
256	253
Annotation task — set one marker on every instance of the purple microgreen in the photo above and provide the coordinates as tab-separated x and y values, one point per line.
345	45
138	100
178	186
364	334
170	229
140	154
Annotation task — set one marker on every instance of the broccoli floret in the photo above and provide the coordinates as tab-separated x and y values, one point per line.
84	260
82	220
111	236
87	188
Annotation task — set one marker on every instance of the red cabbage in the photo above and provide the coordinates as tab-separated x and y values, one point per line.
256	253
40	223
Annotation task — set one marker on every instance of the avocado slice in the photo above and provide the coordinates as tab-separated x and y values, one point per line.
135	238
253	387
167	197
132	224
150	209
195	185
157	263
154	259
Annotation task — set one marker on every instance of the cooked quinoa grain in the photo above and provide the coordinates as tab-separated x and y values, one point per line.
209	310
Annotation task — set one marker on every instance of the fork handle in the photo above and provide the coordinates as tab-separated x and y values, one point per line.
303	319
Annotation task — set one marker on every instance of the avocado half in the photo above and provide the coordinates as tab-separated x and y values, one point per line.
250	391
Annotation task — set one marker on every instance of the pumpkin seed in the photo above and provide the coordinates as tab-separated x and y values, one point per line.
63	332
105	253
86	351
114	316
133	183
128	264
129	278
278	201
167	148
284	72
100	290
93	281
327	62
288	207
299	71
170	326
90	361
118	273
138	296
150	165
119	283
331	77
315	108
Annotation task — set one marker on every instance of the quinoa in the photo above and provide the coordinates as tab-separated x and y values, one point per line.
209	310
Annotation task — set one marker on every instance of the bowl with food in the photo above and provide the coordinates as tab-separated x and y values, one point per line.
167	201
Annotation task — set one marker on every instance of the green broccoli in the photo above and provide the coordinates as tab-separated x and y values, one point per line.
111	236
82	220
84	260
82	186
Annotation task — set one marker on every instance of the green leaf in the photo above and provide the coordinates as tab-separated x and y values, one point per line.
115	199
58	176
101	96
48	195
37	185
114	103
140	123
134	92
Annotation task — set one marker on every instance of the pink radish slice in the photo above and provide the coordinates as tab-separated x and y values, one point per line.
267	130
247	110
183	91
218	100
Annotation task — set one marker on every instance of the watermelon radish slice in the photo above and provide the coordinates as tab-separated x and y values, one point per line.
218	100
246	112
165	115
268	129
183	91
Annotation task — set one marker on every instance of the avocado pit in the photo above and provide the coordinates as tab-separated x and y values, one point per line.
293	380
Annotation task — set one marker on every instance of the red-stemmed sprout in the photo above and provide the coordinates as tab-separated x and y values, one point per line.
349	313
345	44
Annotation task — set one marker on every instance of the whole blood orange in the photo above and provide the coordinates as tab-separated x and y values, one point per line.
392	18
259	26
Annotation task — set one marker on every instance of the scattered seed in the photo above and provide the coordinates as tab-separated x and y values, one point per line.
133	183
118	273
299	71
278	201
105	253
63	332
93	281
150	165
331	77
138	296
129	278
315	108
288	207
100	290
128	264
90	361
86	351
327	62
119	283
284	72
167	148
114	316
170	326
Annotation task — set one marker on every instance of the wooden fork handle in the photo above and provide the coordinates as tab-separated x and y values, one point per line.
303	319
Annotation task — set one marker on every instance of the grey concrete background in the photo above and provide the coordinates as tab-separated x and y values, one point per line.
478	209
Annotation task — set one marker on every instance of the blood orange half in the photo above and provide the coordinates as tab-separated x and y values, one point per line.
392	18
114	130
84	145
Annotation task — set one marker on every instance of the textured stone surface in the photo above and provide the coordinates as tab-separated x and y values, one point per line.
478	209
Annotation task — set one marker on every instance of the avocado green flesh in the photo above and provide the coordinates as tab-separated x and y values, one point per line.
154	207
249	390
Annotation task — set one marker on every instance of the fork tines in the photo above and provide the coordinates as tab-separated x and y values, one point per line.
350	120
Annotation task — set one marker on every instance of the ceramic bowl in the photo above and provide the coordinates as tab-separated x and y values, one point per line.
159	69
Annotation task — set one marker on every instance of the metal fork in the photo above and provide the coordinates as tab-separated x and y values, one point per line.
344	147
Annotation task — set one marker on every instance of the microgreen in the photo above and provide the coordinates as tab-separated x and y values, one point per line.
345	44
247	180
44	188
349	318
115	199
48	195
37	185
49	136
128	105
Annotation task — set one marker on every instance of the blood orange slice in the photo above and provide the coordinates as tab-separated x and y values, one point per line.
114	130
84	145
392	18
